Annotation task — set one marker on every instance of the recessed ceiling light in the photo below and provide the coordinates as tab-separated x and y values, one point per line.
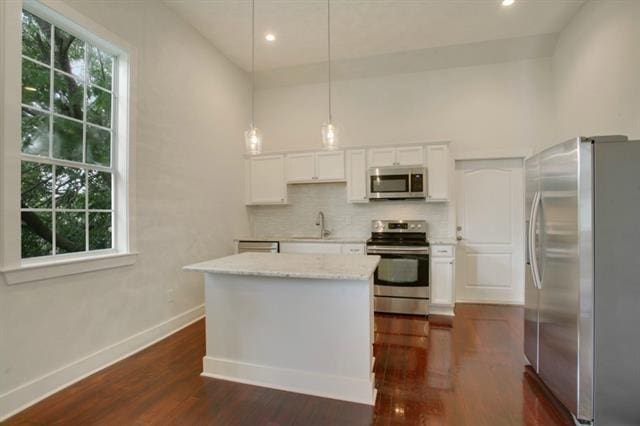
507	2
272	37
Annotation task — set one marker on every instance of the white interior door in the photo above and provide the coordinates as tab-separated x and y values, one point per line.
490	216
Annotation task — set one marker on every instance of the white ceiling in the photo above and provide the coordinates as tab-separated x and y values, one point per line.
363	28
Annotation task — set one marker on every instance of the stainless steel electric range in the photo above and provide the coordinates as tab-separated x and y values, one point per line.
401	282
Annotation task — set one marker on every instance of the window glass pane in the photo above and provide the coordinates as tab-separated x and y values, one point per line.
98	146
99	231
69	53
35	132
36	186
100	68
36	38
67	139
70	188
36	234
70	232
99	190
68	95
35	84
99	107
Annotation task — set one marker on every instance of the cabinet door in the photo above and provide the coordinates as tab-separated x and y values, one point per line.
311	248
300	167
357	176
330	165
442	280
438	172
266	180
410	156
382	157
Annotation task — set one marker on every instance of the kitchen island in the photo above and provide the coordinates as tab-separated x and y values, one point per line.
296	322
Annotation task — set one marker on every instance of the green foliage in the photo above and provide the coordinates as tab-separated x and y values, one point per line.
36	38
35	132
79	69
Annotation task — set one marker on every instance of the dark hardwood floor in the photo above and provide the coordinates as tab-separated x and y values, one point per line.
469	371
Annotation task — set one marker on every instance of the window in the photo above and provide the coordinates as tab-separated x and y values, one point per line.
68	178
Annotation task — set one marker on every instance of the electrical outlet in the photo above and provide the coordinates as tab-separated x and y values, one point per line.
170	293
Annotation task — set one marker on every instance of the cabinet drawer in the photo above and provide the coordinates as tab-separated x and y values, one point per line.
442	251
352	249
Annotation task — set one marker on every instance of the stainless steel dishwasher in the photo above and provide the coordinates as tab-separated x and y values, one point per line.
258	246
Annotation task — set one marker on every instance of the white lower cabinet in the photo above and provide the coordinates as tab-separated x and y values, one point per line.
321	248
442	299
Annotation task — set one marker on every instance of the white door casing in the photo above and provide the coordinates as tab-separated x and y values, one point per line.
490	217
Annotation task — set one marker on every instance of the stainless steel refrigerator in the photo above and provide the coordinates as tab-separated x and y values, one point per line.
582	286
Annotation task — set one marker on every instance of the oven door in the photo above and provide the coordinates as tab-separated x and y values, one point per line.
401	273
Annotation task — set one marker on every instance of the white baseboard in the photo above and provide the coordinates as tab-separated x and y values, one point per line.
311	383
492	302
441	310
29	393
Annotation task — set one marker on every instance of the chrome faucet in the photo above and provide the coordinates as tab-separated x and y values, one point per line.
320	222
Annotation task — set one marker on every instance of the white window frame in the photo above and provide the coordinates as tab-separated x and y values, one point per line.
14	269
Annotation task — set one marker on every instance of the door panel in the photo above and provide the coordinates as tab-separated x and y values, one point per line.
382	157
490	256
300	167
330	165
559	261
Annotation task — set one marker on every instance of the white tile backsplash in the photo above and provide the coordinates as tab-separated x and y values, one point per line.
345	220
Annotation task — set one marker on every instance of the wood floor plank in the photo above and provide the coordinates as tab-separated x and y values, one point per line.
465	371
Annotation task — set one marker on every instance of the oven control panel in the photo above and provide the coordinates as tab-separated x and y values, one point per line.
398	226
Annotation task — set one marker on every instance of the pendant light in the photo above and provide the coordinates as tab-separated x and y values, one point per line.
329	129
253	136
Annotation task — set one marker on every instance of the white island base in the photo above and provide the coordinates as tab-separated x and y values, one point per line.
310	334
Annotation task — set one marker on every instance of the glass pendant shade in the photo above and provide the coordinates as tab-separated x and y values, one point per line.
330	135
253	141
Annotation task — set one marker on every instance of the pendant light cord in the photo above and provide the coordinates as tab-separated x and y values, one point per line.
253	61
329	51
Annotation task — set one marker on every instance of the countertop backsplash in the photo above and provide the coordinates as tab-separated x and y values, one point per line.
343	219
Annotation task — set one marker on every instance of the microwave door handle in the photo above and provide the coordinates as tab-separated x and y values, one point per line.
532	240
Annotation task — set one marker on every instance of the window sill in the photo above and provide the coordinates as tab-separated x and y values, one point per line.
62	268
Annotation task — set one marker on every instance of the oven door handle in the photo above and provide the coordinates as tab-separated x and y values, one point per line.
398	250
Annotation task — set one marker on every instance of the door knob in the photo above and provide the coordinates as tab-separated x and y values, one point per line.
459	237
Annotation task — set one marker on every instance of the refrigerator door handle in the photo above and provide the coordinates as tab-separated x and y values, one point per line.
532	240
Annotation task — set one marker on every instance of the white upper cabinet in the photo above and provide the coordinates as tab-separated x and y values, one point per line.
330	165
325	166
357	176
438	172
300	167
382	157
265	180
402	156
410	156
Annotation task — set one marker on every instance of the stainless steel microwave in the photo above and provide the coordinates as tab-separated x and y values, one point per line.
393	182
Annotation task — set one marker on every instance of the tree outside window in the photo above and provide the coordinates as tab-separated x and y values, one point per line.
67	142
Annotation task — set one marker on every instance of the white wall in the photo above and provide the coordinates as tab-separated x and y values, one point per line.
487	107
191	111
597	71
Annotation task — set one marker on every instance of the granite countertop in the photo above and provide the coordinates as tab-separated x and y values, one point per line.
308	239
442	241
321	266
